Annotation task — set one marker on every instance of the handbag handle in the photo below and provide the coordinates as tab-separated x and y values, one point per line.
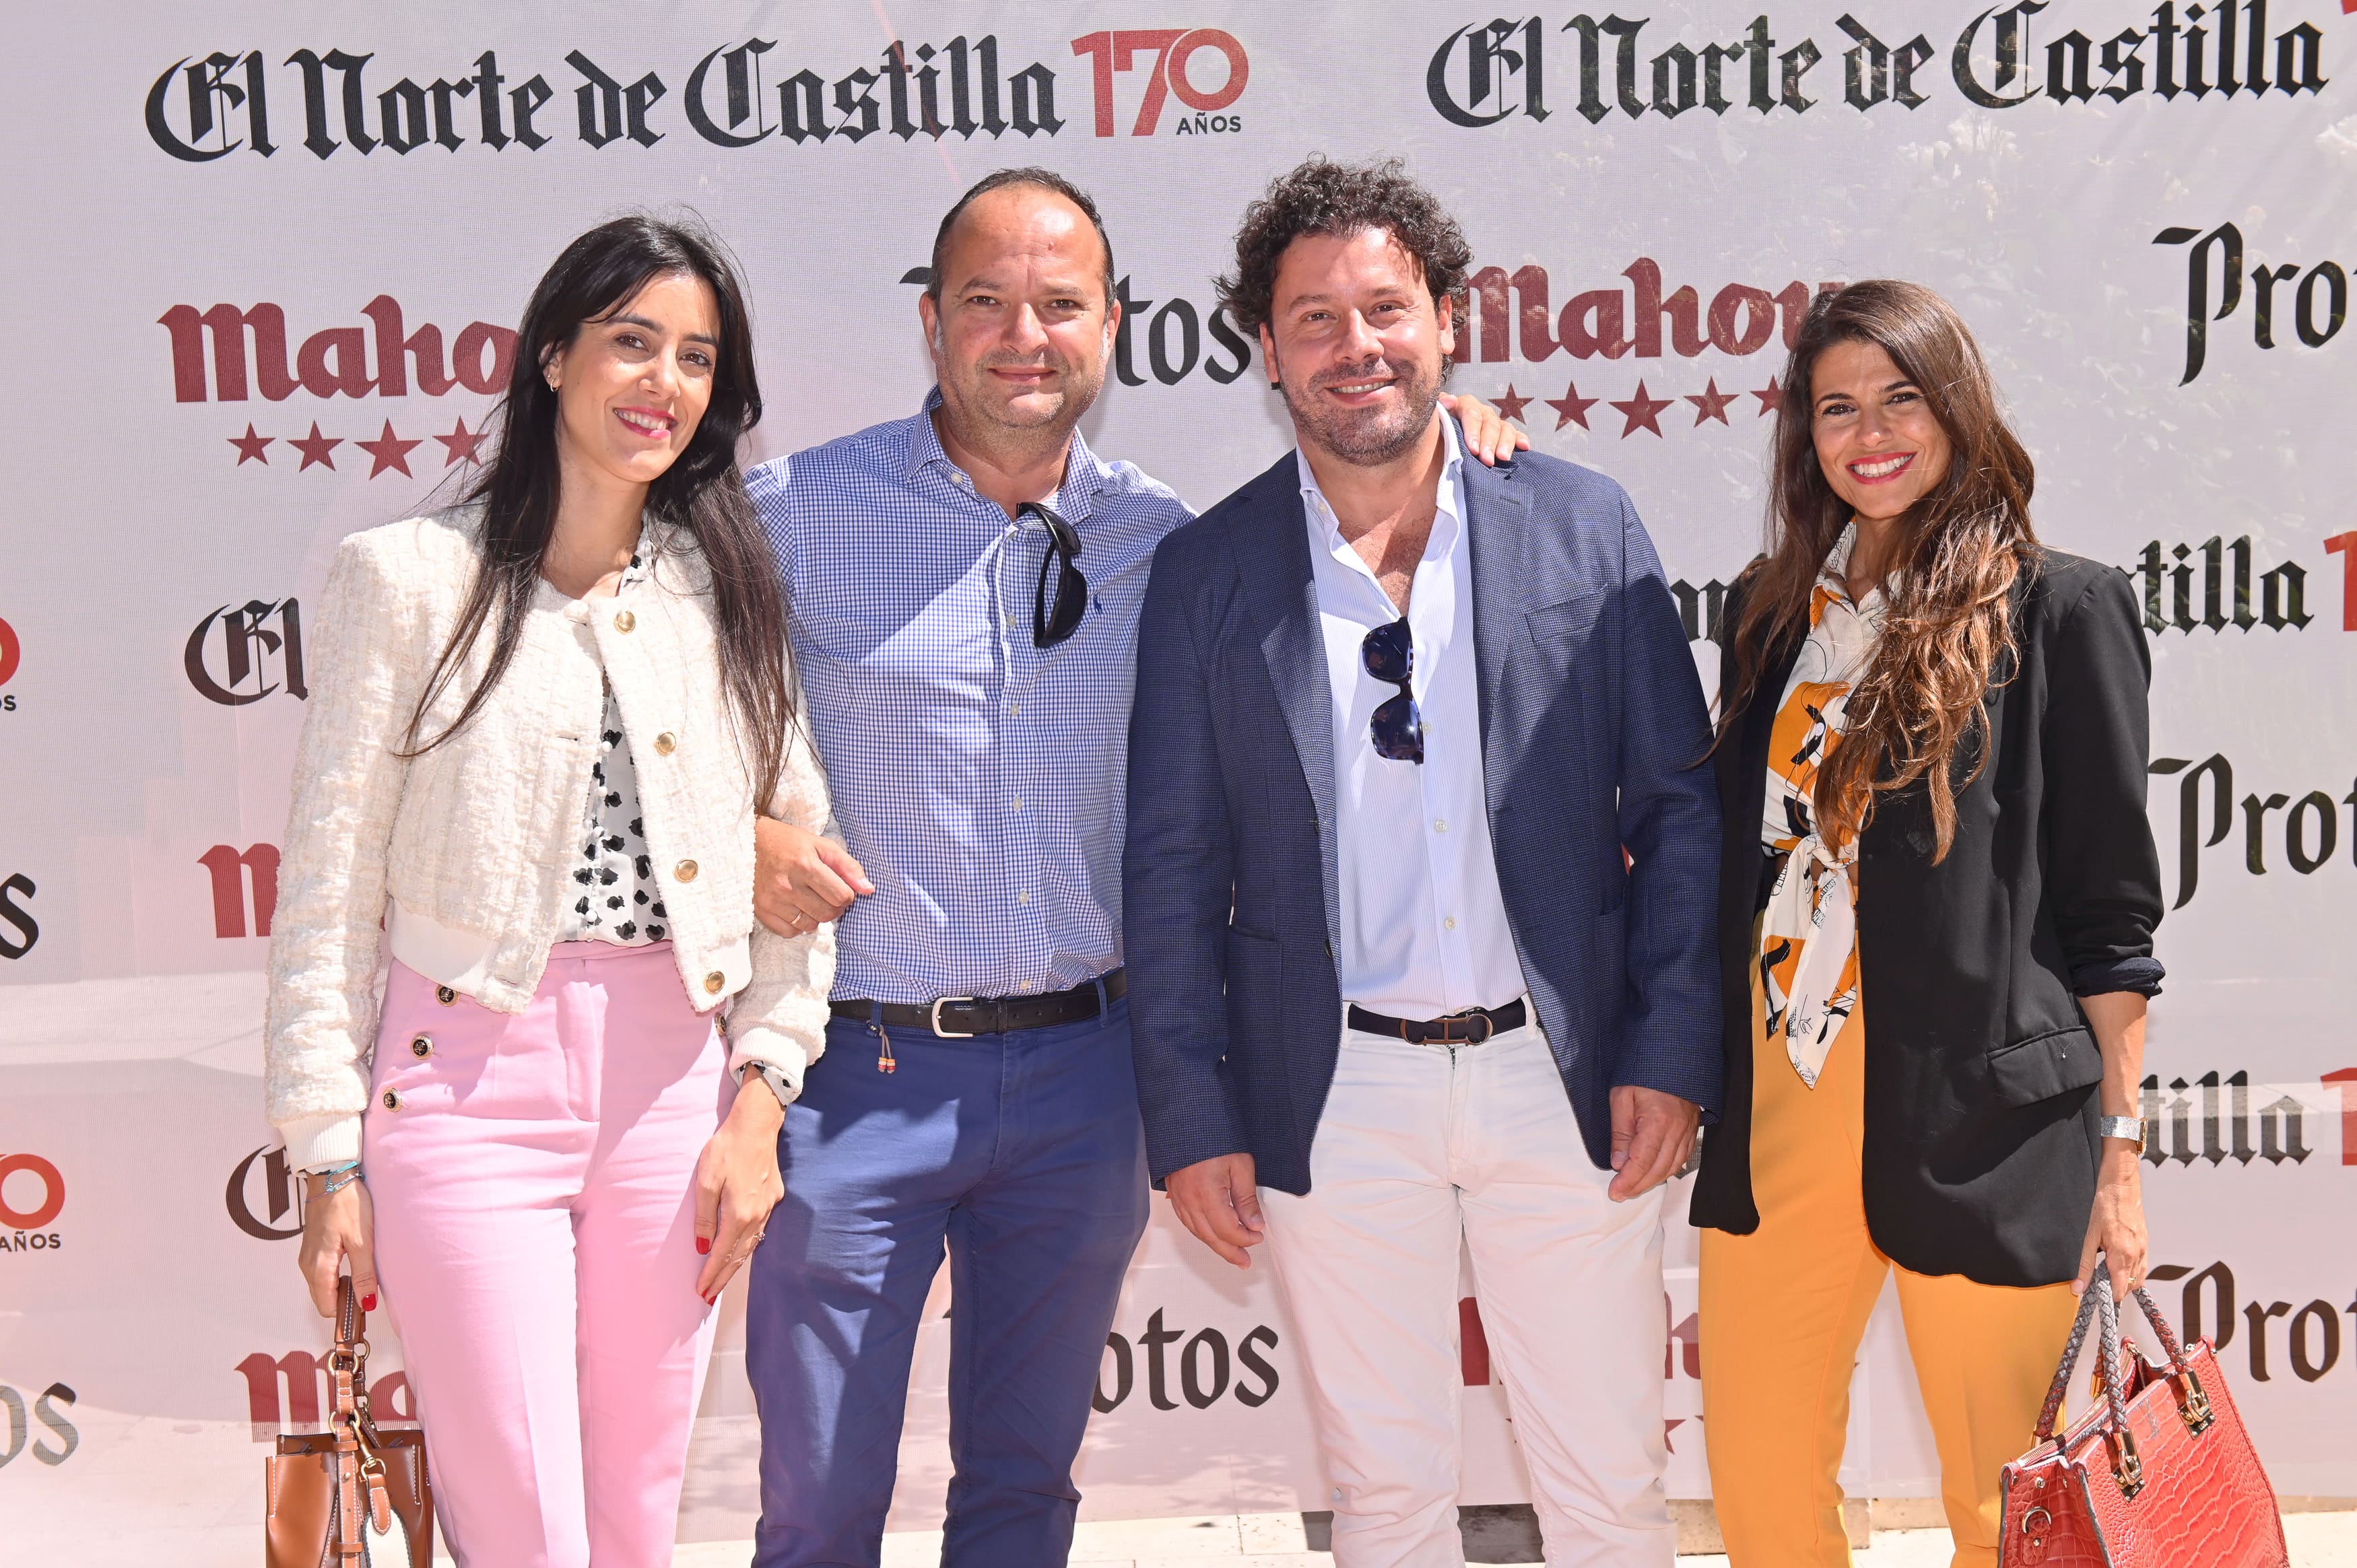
2098	1307
360	1473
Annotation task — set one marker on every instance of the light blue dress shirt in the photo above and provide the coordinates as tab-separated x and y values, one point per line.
981	781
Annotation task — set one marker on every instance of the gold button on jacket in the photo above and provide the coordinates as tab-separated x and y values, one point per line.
625	621
423	1045
713	981
684	871
665	744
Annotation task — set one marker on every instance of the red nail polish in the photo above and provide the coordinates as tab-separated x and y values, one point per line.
712	1299
368	1304
704	1244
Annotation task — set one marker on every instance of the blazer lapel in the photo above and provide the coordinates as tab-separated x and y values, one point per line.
1272	544
1498	511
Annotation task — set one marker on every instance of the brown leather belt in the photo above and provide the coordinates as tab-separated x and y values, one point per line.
961	1017
1469	1028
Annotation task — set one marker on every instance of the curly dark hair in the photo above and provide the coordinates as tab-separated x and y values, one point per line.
1321	197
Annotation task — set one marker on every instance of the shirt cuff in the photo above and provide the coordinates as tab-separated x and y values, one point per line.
316	1141
758	1047
2141	975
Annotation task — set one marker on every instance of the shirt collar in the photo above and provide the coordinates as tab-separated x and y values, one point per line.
1834	576
1448	498
1084	475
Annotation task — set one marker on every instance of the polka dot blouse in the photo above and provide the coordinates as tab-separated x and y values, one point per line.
612	895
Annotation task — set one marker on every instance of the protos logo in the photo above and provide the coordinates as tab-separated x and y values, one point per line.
32	1195
46	1411
1114	54
1203	1367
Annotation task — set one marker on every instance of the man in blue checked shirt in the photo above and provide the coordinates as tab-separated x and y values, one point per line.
965	588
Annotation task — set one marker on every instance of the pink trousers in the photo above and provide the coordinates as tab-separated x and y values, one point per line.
532	1179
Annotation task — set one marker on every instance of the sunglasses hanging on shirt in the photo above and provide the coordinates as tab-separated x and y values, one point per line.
1048	627
1397	727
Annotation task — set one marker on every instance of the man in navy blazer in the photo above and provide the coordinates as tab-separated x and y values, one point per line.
1419	888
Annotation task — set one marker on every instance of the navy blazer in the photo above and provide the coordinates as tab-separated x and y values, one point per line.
1594	737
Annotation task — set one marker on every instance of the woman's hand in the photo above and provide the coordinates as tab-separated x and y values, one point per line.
1488	435
737	1185
2115	1228
334	1229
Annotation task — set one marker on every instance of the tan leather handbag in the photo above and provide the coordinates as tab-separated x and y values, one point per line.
351	1496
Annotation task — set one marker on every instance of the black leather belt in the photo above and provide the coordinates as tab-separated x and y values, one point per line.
1469	1028
961	1017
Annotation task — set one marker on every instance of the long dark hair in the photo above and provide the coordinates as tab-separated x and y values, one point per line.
1964	545
702	492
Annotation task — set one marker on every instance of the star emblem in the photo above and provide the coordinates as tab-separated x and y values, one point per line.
1771	398
249	447
1510	406
1642	412
315	447
388	451
1712	402
1571	408
461	445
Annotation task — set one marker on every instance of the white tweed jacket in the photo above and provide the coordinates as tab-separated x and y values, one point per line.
458	861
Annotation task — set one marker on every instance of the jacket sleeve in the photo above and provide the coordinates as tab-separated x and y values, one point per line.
1178	887
1669	821
319	1028
780	1018
2102	870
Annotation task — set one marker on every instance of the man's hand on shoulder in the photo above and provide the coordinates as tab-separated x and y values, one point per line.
1652	1134
801	881
1216	1198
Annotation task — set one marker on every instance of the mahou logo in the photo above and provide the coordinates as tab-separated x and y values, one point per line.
232	872
344	361
289	1392
32	1195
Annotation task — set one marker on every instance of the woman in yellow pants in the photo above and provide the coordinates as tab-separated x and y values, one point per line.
1931	761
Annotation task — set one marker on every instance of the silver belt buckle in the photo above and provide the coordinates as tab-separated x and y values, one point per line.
941	1001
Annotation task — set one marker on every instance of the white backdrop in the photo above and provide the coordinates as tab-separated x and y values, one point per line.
2146	213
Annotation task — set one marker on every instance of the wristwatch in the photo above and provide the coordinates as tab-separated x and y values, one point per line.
2128	1127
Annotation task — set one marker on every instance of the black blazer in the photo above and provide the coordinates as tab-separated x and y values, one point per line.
1980	1069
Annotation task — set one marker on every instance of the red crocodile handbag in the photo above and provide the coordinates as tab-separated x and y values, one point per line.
2158	1474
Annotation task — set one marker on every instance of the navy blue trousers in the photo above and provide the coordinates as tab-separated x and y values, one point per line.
1022	1152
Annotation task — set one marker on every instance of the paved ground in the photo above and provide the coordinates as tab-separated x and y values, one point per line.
1279	1540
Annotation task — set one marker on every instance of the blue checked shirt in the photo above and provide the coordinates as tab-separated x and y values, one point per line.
981	781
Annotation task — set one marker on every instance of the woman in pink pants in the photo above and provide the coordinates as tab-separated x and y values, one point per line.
540	725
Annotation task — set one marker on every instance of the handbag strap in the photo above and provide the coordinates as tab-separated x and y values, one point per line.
2095	1308
360	1495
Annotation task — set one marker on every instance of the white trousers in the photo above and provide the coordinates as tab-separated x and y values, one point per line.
1419	1145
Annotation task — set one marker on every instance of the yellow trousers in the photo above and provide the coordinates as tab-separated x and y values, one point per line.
1783	1313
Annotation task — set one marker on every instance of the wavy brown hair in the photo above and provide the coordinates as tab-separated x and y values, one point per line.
1949	630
